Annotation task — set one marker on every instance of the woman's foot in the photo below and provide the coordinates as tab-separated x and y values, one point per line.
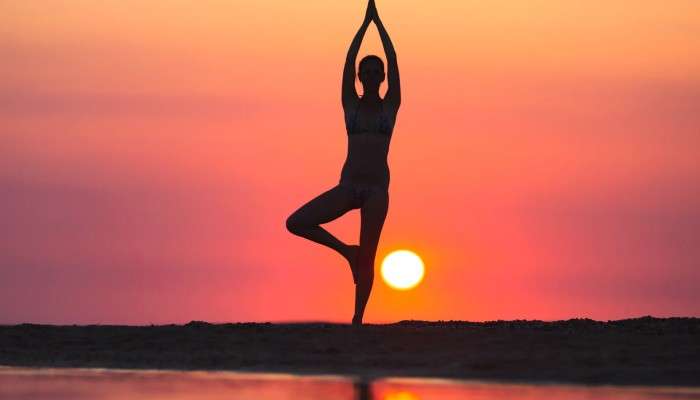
352	253
356	321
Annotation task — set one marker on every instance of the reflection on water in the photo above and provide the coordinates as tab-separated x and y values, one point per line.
400	395
421	389
102	384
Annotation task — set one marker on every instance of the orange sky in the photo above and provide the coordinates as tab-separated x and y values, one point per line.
544	162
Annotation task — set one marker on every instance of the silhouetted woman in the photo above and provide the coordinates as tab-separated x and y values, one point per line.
364	180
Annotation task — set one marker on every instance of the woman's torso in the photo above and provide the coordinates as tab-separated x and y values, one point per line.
369	135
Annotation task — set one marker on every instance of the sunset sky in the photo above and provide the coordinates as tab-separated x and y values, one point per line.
545	163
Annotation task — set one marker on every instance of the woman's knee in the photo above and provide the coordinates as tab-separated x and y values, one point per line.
367	256
365	271
294	225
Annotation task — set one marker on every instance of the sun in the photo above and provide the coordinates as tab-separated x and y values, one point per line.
402	269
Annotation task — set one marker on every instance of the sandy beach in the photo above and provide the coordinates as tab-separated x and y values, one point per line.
647	350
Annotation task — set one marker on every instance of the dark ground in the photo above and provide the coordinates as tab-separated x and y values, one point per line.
647	351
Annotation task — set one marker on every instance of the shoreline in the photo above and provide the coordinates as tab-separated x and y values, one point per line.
365	379
643	351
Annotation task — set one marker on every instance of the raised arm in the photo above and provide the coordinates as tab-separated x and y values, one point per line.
393	94
349	93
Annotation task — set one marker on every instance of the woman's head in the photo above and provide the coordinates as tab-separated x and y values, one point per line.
371	71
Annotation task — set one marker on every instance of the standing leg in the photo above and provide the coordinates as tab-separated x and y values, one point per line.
373	215
326	207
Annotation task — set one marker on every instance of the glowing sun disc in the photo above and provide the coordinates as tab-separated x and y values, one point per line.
402	269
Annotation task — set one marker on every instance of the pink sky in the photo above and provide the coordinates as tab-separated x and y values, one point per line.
544	163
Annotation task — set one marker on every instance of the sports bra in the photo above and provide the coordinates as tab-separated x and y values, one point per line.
383	127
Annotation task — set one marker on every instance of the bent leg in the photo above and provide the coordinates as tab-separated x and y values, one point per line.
373	215
326	207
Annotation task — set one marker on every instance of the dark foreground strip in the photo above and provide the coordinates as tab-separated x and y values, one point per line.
648	351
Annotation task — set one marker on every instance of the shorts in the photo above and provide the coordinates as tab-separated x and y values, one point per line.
363	191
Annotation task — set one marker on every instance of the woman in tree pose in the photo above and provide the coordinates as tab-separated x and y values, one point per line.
364	180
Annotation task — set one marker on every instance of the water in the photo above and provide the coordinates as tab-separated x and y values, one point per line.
104	384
